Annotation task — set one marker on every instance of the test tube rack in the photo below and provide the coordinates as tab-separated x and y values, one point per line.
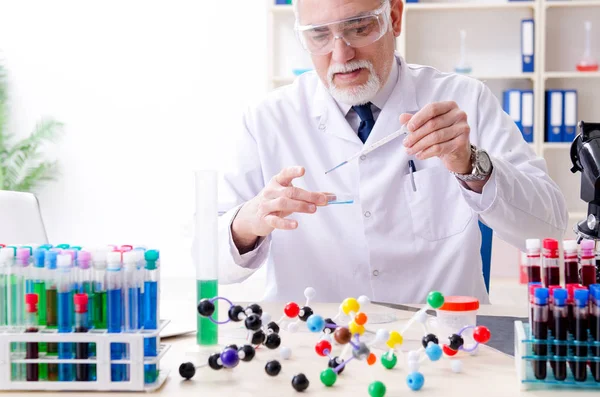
525	357
102	360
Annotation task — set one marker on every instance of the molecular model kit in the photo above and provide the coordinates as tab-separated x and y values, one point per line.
349	341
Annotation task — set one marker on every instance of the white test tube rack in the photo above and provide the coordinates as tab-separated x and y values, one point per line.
101	361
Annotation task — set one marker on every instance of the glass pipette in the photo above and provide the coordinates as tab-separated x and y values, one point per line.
381	142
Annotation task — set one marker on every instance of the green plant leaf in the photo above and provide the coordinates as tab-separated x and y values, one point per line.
45	171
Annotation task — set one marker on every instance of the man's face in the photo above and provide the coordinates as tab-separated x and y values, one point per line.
352	75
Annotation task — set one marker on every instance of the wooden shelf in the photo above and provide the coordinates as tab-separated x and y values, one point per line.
471	6
571	75
574	3
557	145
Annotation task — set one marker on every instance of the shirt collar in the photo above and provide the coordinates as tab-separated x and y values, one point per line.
382	96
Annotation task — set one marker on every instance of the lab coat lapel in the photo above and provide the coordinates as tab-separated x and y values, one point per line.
330	118
402	100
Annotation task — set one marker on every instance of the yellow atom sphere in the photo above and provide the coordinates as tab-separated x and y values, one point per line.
395	339
355	328
350	305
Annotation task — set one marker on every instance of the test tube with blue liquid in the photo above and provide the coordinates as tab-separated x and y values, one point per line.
131	295
205	252
64	287
151	313
114	286
141	269
39	288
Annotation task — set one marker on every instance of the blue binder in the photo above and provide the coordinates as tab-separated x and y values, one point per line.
554	115
527	115
527	45
570	115
512	106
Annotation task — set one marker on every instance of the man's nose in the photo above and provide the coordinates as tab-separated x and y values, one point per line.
342	52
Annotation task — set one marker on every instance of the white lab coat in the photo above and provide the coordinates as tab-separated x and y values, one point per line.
393	244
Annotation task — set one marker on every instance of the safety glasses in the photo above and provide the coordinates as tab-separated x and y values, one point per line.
356	32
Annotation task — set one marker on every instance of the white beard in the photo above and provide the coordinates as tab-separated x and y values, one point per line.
355	95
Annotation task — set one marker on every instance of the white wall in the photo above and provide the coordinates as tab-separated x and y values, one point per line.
148	90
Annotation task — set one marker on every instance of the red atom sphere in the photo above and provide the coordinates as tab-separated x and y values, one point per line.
321	346
291	309
481	334
448	351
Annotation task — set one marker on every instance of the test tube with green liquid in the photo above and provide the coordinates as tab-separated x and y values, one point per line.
39	288
205	252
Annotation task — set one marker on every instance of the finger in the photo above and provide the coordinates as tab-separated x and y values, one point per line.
405	118
438	149
285	204
428	112
437	123
435	137
280	223
287	175
296	193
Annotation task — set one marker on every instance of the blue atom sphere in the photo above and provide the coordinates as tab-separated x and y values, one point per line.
230	358
415	380
434	352
315	323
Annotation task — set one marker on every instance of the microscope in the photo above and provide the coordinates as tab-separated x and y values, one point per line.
585	156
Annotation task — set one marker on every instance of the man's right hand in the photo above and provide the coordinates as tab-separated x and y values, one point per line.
268	210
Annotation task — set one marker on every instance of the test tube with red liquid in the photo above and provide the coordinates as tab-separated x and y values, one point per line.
32	350
588	262
571	262
570	305
595	328
550	263
532	287
559	298
534	270
580	311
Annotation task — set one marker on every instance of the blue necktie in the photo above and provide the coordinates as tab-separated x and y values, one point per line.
366	120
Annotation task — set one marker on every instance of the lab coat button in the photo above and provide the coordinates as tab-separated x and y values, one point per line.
375	273
363	157
367	214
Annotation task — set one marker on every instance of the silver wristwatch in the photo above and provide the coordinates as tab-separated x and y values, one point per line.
482	166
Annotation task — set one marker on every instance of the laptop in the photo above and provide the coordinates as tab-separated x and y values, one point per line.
21	219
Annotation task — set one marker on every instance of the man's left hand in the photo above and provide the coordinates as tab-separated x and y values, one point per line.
440	130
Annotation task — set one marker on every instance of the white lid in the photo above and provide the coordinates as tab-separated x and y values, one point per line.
114	260
98	256
139	255
570	245
63	261
6	254
129	258
533	243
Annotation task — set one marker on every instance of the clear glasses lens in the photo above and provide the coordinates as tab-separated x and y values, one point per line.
356	33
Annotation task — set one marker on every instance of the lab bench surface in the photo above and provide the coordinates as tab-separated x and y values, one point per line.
489	372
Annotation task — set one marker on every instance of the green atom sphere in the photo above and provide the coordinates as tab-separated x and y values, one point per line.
377	389
389	360
328	377
435	299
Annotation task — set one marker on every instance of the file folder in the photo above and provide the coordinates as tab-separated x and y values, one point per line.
554	115
527	115
512	106
527	45
570	116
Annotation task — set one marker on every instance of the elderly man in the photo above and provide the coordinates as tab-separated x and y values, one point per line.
413	224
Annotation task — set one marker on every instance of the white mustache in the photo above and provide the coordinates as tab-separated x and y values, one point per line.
348	68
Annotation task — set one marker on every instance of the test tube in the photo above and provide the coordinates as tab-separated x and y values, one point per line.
531	288
571	262
579	367
595	329
64	287
560	332
5	263
84	278
39	288
540	332
141	269
16	307
32	348
22	258
51	307
551	268
588	265
131	294
99	304
82	371
114	287
151	310
205	253
534	271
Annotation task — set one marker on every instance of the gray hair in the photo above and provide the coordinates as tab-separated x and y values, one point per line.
295	5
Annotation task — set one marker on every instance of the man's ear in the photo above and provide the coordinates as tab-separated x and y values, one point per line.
397	7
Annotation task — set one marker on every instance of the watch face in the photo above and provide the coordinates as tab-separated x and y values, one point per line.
485	163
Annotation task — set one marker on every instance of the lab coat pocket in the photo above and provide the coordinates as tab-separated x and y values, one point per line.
437	208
